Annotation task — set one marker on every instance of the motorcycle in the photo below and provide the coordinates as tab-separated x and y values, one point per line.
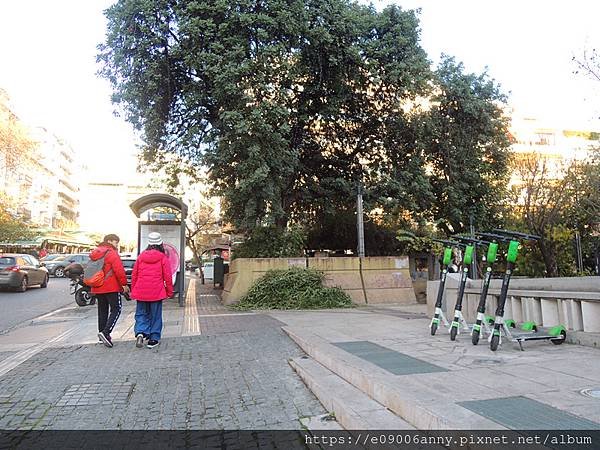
83	296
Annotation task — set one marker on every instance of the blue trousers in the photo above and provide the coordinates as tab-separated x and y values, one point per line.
148	319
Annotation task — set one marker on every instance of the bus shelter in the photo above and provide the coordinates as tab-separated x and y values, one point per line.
171	228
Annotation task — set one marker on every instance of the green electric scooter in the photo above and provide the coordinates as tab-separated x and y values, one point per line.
556	335
446	261
482	320
459	320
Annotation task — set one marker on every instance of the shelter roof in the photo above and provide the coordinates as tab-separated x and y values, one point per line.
150	201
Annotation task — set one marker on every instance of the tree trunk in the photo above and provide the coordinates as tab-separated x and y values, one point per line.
281	223
548	250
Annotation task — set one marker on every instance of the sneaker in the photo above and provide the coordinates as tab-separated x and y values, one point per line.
139	340
152	343
106	340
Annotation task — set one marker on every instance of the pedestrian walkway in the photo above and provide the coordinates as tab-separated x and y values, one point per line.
430	382
373	367
207	373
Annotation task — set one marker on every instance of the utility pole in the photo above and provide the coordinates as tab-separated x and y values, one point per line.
474	262
359	222
579	252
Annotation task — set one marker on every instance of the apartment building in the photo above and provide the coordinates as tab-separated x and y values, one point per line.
54	199
558	145
39	172
105	206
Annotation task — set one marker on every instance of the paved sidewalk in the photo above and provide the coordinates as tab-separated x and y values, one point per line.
214	369
431	382
374	367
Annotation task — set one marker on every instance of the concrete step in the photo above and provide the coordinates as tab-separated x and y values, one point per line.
353	409
421	406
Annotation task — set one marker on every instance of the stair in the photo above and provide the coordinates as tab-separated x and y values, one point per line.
353	409
414	404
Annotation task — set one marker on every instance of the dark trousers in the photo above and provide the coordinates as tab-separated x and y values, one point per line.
107	322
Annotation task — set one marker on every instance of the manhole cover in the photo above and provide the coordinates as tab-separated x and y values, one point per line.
96	394
594	392
487	362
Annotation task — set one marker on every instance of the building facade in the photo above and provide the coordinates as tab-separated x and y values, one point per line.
39	172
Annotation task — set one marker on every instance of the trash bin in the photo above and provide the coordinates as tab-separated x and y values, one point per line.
218	271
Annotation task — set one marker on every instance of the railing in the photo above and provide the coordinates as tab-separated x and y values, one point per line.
578	311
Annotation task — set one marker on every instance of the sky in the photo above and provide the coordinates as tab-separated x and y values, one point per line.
527	46
48	50
48	66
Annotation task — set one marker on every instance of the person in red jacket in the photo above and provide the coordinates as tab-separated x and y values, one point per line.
115	282
151	283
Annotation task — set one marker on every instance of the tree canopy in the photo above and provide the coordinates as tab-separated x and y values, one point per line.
291	104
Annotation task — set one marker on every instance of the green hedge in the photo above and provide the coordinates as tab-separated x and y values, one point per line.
294	288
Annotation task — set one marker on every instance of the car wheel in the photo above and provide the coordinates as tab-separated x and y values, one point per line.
23	286
59	272
45	282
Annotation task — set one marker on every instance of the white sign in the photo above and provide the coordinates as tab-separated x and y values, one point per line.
171	240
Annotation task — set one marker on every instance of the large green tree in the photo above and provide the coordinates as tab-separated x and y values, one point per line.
466	137
291	104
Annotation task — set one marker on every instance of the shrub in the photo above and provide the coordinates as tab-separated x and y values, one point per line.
294	288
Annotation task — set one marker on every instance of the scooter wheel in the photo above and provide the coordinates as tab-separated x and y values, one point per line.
433	328
453	332
494	343
560	340
475	337
82	298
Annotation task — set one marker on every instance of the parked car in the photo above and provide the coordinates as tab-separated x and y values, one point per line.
19	271
52	257
191	266
56	267
128	266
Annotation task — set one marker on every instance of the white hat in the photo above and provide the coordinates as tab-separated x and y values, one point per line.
154	238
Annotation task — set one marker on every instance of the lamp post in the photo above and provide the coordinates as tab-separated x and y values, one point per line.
359	222
474	273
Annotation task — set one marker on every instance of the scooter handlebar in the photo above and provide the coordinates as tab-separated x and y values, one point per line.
449	243
470	240
494	237
516	234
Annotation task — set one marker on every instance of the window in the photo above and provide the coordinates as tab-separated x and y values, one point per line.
29	260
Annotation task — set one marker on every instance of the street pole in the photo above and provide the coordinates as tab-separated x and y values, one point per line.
474	262
579	252
359	223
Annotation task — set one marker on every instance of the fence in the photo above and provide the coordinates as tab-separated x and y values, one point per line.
573	302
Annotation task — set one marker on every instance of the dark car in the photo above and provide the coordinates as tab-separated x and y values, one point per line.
19	271
128	264
56	267
52	257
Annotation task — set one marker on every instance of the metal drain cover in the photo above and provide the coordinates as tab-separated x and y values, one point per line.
594	392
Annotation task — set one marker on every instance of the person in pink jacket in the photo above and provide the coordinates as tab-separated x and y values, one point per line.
151	283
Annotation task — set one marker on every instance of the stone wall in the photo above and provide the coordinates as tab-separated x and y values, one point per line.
367	280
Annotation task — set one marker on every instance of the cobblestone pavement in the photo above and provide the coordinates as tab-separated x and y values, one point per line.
234	376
